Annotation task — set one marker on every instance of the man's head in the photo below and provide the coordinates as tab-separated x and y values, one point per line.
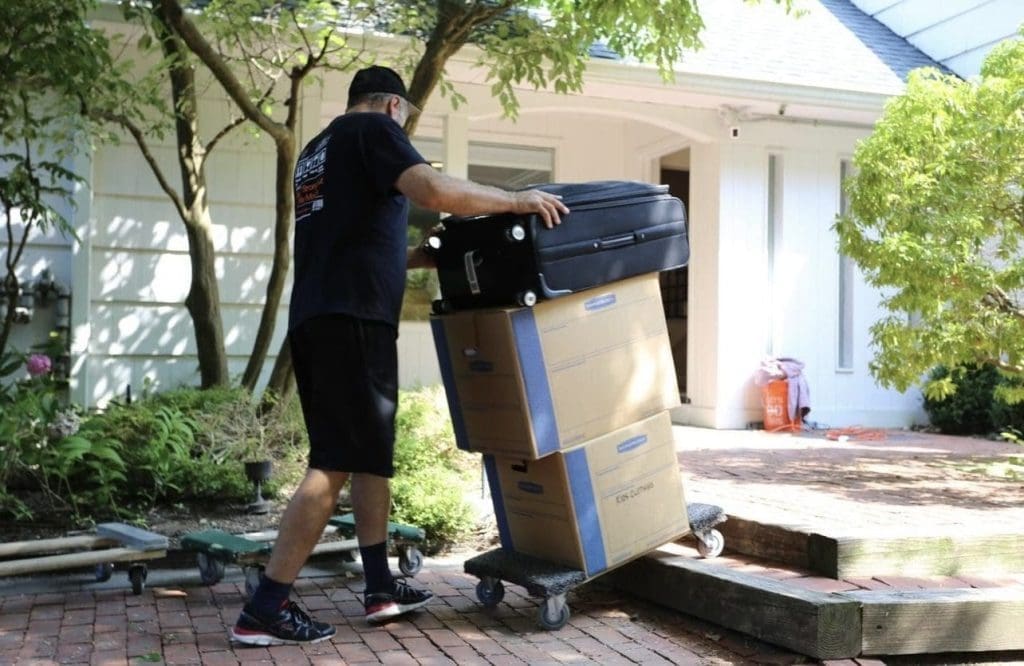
381	88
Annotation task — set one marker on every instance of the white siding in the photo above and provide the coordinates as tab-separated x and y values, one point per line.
43	251
139	272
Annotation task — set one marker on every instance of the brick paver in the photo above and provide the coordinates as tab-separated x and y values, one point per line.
861	484
189	624
904	484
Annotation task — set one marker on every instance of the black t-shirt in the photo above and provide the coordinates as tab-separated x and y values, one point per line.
350	222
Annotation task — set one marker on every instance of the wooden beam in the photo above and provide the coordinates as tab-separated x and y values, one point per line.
132	536
824	626
916	556
852	557
930	621
59	544
75	560
778	543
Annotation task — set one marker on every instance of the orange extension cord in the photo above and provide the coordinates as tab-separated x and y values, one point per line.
856	432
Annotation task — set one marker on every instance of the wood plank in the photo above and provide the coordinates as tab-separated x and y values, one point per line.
342	546
132	536
74	560
931	621
323	548
778	543
56	545
824	626
270	535
918	556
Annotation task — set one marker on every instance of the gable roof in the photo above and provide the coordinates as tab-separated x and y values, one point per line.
832	45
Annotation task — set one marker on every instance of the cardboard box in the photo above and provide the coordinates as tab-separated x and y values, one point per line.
596	506
531	381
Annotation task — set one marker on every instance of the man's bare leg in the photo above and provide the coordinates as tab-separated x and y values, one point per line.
371	503
267	619
303	523
383	597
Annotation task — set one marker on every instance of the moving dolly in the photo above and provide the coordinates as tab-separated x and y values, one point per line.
215	549
553	581
402	537
112	543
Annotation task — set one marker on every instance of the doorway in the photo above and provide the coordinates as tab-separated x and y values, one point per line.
675	172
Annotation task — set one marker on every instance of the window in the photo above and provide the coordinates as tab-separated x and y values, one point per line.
846	282
507	167
773	238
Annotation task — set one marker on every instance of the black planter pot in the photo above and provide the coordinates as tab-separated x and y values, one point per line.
257	472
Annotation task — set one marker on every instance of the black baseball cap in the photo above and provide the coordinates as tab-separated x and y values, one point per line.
378	79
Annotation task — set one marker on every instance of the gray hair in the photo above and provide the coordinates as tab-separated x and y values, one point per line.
374	99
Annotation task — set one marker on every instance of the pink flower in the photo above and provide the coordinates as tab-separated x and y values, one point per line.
38	364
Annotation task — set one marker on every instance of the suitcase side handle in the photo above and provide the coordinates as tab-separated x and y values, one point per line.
470	262
612	242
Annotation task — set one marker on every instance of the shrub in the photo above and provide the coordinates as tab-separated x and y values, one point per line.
43	449
431	474
1007	415
968	410
162	448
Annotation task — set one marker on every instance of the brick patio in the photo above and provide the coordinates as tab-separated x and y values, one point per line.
909	479
70	620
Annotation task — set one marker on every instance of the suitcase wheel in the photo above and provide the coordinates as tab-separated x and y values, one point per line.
527	298
515	234
441	307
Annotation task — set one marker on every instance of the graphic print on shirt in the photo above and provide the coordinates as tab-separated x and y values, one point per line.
309	180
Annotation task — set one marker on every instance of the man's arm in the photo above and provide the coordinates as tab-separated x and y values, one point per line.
417	257
439	192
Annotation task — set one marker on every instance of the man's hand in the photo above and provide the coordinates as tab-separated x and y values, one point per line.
548	206
419	257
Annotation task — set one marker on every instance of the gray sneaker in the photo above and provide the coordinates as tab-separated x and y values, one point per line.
291	625
383	606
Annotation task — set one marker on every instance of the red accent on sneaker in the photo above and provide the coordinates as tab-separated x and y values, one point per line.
377	608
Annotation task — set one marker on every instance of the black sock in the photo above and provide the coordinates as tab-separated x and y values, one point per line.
269	596
376	569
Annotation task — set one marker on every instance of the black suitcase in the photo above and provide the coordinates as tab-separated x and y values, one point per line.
615	230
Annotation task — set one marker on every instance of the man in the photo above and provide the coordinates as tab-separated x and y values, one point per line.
351	216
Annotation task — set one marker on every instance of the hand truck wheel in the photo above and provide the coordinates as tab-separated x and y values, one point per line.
410	560
211	570
104	571
553	613
137	575
490	592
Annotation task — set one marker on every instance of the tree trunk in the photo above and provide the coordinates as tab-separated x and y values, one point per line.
282	379
10	293
203	303
428	71
285	196
203	300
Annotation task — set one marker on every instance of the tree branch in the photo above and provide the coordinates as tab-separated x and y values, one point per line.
184	27
223	133
1016	369
1000	300
147	154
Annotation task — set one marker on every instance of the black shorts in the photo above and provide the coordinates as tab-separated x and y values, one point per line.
346	370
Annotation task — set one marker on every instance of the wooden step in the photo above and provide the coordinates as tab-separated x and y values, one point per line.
871	555
828	625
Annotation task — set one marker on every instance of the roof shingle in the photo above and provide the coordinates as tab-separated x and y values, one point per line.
832	45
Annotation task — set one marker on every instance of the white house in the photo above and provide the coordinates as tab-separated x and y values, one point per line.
755	134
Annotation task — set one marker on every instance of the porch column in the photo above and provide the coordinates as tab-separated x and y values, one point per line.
80	324
456	145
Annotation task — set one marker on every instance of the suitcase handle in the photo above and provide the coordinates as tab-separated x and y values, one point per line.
613	242
470	262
